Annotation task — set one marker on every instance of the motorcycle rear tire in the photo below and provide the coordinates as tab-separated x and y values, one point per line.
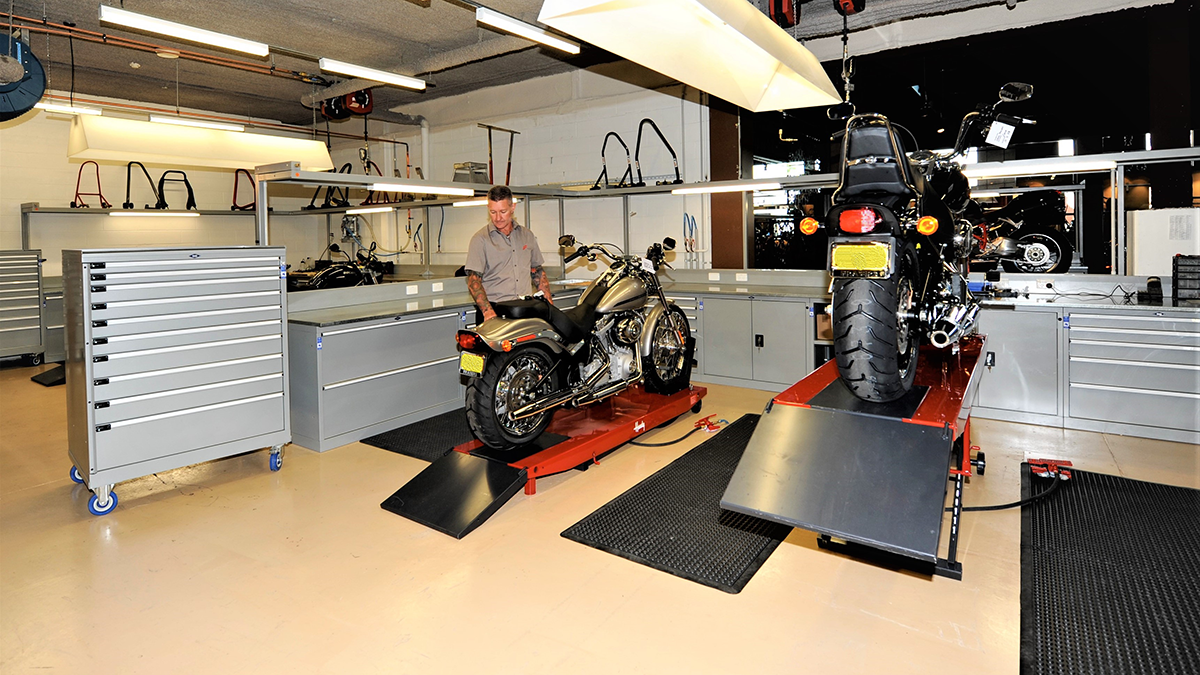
482	393
678	373
866	329
1056	242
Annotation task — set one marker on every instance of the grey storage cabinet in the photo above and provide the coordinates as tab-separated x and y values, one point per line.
21	305
53	337
756	342
174	356
1024	383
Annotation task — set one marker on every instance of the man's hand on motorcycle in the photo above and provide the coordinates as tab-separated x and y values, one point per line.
489	314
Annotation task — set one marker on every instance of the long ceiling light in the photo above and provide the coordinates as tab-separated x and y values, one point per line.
150	24
373	209
200	124
423	189
727	48
66	109
528	31
1037	167
744	186
343	68
152	213
480	202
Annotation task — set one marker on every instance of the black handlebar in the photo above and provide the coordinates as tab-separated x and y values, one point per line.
582	250
1013	119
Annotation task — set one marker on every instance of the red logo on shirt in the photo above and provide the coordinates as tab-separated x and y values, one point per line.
525	247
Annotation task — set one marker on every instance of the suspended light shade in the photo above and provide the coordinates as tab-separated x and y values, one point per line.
727	48
122	140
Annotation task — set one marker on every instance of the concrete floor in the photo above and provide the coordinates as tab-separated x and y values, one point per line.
227	567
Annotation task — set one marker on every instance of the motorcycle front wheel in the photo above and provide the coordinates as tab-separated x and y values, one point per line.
876	335
668	367
509	381
1045	250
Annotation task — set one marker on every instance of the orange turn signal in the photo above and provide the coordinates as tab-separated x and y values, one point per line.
507	345
809	225
927	225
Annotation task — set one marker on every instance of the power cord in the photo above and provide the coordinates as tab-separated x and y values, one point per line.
1012	505
706	424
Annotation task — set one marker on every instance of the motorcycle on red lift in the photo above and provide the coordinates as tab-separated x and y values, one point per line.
533	358
1025	235
899	250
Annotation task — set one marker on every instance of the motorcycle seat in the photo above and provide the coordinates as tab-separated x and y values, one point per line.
572	324
871	169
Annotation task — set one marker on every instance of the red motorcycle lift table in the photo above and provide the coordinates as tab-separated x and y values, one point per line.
462	489
869	474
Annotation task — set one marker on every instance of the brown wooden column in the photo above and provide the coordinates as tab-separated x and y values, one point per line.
728	212
1170	105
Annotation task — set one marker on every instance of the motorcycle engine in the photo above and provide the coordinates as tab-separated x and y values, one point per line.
627	330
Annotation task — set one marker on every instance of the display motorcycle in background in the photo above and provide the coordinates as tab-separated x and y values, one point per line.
362	270
899	248
1025	235
534	358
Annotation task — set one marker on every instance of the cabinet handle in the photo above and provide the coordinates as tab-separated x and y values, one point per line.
758	340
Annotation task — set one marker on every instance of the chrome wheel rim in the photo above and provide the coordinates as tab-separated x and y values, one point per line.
523	381
666	350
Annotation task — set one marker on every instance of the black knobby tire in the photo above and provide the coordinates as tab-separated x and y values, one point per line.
1052	251
868	336
489	396
668	367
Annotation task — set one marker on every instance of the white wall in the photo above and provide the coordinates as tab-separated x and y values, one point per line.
34	167
563	120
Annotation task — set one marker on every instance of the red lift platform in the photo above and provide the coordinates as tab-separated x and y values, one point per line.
868	474
459	491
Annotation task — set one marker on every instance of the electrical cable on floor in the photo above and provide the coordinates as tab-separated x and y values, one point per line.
1011	505
703	425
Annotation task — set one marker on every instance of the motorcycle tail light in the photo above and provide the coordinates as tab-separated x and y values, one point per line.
467	341
927	225
858	221
809	225
507	345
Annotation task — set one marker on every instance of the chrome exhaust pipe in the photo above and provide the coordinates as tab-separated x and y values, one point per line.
558	398
949	329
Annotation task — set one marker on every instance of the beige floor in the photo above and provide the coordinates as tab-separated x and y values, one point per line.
227	567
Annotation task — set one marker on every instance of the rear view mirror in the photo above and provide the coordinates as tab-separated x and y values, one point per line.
669	244
840	111
1015	91
566	240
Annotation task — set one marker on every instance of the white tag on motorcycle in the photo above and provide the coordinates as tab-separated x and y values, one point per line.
648	266
1000	134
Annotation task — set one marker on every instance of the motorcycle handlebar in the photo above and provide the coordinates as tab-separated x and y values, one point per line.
582	250
1014	120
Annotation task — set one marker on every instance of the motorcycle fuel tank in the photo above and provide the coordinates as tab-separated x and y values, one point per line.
628	293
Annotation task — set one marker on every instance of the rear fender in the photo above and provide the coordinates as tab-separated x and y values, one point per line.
496	332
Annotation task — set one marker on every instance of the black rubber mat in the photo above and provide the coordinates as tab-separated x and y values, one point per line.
428	439
1110	577
673	521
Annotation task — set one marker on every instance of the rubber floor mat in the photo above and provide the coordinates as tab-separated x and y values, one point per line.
673	521
428	439
1110	577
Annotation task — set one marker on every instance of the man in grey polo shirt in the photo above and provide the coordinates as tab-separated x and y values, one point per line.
503	259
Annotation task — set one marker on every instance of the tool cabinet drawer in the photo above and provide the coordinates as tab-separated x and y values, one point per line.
20	337
1166	377
138	440
184	355
1136	351
1136	335
355	351
1131	405
160	339
178	261
1133	321
185	398
104	292
215	274
180	377
357	404
108	311
176	321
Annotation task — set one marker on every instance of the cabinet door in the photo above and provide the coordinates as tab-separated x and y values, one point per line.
1025	377
781	341
728	341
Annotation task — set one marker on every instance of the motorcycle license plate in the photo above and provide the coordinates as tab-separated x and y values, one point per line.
864	259
470	364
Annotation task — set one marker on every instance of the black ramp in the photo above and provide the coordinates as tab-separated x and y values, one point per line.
672	520
428	439
1110	577
870	480
456	493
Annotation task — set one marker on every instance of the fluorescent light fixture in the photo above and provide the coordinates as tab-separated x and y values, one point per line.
985	195
343	68
122	140
373	209
1038	167
200	124
152	213
67	109
529	32
178	30
481	202
423	189
1066	147
726	187
728	48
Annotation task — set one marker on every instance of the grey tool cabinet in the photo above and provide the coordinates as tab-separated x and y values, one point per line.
21	305
53	340
174	356
755	342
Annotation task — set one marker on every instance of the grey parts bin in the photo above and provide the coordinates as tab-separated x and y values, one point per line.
21	304
174	356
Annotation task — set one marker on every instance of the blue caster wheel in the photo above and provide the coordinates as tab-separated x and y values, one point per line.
99	509
76	477
276	461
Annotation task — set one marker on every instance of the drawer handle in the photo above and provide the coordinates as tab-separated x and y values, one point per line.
100	341
100	382
97	265
100	405
99	289
97	306
99	324
103	427
99	359
99	277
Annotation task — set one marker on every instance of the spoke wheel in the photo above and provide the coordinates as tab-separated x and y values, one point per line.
668	367
509	382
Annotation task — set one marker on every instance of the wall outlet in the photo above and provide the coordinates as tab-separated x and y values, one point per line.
714	276
437	286
1043	285
411	290
741	276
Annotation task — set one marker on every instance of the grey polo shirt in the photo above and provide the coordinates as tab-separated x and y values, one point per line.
504	262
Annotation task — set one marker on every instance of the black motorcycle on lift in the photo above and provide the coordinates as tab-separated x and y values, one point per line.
1025	235
899	248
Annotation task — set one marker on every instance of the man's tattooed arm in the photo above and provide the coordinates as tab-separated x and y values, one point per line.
541	281
475	288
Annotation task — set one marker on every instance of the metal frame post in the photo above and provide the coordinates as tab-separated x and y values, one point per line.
625	221
261	208
1118	201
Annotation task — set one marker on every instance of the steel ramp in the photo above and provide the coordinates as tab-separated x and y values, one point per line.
456	493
